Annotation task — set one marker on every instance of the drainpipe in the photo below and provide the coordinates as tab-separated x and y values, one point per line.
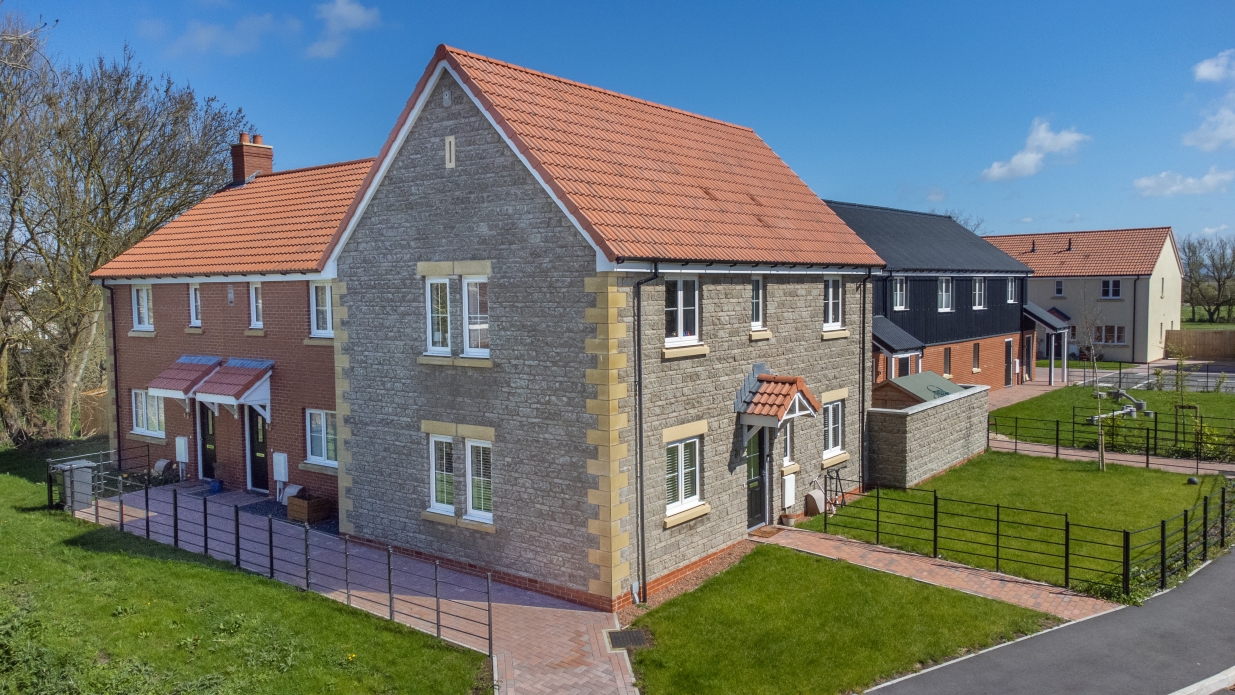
863	464
1133	326
115	370
641	531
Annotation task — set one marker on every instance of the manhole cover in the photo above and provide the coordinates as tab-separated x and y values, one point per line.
624	639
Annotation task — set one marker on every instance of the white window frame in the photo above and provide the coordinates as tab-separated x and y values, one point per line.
680	312
143	298
475	514
758	302
900	294
1111	289
434	504
683	503
1059	288
468	350
140	424
195	305
833	302
1118	334
314	330
787	451
979	293
430	348
833	415
324	459
944	292
1013	287
255	305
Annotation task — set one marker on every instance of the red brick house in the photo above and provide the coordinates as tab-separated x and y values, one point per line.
221	329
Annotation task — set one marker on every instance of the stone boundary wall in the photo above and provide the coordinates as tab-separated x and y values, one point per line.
912	444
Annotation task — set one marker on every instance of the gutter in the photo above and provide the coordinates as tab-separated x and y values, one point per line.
641	530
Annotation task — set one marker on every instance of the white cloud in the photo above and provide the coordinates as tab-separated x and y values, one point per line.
1026	220
1168	183
1029	161
1216	130
936	195
1213	230
245	36
1220	67
341	17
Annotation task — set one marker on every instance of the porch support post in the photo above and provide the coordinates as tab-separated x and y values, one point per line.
1064	357
1050	379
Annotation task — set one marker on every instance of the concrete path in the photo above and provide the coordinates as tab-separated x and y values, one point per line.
1176	639
999	397
540	644
1055	600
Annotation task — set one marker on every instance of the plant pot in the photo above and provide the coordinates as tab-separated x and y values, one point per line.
791	519
309	509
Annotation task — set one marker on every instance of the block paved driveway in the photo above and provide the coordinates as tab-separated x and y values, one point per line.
1174	640
541	644
1055	600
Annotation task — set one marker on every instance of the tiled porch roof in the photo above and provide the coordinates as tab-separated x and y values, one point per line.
185	373
235	378
774	395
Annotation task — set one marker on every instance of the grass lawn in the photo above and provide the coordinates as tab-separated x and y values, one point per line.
85	609
781	621
1057	404
1206	326
1079	364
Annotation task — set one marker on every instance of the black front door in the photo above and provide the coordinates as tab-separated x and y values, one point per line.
1007	363
756	498
205	430
257	450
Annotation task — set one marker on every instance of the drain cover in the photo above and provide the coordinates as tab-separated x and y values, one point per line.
624	639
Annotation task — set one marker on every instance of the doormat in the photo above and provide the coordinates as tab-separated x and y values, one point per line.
765	531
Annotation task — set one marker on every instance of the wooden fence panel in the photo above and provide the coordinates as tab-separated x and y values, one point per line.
1203	345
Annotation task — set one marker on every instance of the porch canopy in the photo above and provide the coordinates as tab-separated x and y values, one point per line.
238	382
767	400
1054	322
894	340
182	377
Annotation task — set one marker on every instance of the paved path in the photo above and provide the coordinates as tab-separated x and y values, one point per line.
540	644
1003	443
999	397
1176	639
1022	592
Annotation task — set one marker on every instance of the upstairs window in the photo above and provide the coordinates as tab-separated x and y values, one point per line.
143	316
476	319
437	311
900	291
1110	289
945	294
322	325
832	290
682	311
480	481
1059	288
682	475
833	415
195	305
147	414
979	293
255	305
323	434
1012	289
757	302
442	471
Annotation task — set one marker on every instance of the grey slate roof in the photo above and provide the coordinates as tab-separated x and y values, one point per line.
892	337
1047	319
922	241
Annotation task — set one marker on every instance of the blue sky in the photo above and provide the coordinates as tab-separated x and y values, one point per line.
1034	116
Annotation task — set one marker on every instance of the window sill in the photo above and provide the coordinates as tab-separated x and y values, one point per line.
947	376
679	518
146	438
946	311
1110	299
325	342
790	468
323	468
760	334
443	361
439	518
193	330
834	334
142	333
977	370
255	332
477	525
979	308
1057	296
670	353
835	460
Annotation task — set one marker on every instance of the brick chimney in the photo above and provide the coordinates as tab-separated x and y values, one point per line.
250	156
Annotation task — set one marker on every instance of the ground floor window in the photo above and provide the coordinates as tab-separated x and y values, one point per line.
788	437
977	355
681	475
1109	335
147	414
947	360
323	437
480	481
833	426
442	468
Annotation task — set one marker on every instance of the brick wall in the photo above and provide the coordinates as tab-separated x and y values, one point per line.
991	353
910	445
303	376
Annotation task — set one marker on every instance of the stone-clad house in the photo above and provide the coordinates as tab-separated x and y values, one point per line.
585	341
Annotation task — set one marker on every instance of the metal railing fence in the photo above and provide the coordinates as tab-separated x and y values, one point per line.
1200	439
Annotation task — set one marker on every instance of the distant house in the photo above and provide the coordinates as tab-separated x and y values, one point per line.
1122	287
947	302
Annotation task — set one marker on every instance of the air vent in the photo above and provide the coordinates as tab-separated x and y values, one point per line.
450	152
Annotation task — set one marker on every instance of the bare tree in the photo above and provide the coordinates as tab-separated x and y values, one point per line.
1192	254
1209	269
973	223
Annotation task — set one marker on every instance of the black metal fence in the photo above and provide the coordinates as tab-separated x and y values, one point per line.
450	605
1205	378
1039	545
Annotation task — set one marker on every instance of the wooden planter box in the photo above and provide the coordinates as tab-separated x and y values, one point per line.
309	509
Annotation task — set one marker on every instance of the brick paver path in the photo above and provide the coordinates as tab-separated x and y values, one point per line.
540	644
1022	592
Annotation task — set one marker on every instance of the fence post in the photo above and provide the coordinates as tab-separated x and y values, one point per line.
1205	531
876	516
51	481
989	421
205	528
1127	562
1155	434
1222	521
120	497
998	522
1147	447
270	541
306	557
147	495
1057	439
175	517
347	580
390	584
94	493
72	473
1067	552
437	598
1162	559
935	536
1186	541
236	526
1016	434
489	600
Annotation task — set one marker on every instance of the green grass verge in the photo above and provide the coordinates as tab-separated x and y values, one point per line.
85	609
1081	364
781	621
1058	404
1206	326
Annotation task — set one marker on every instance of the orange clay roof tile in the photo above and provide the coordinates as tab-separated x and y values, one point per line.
1102	252
776	393
277	223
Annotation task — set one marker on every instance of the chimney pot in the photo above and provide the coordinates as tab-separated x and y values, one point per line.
257	139
244	138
